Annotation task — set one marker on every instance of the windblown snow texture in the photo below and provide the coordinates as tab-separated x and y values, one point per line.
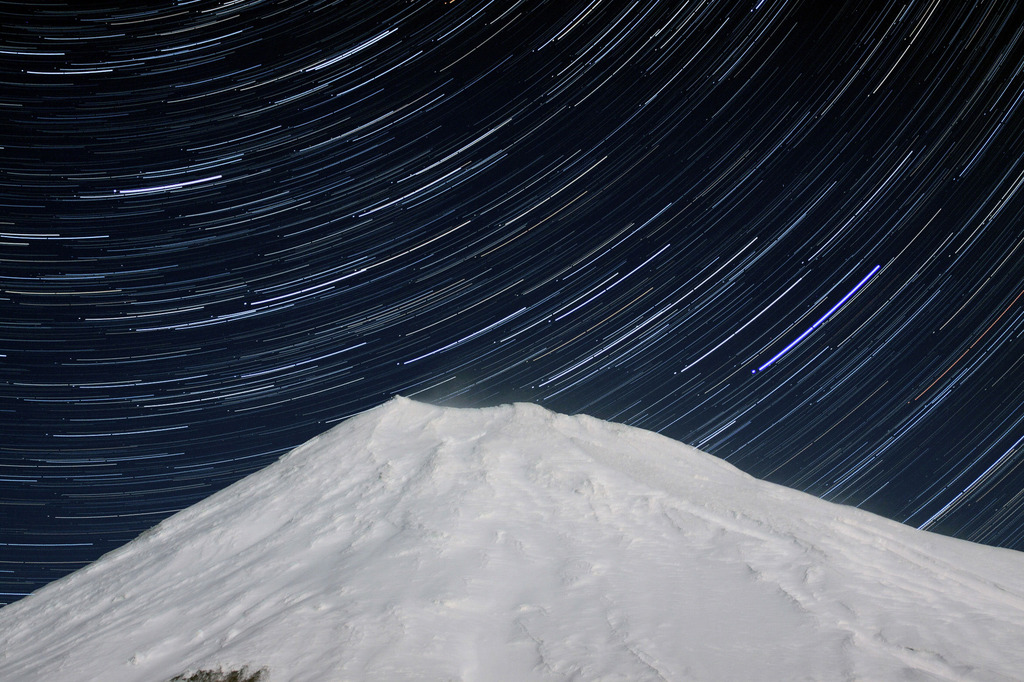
419	542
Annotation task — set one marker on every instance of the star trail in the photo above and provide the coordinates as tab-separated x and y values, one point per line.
786	232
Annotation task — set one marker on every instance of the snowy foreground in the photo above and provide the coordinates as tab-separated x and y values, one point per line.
416	542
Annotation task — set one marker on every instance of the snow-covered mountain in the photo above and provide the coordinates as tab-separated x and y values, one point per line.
421	543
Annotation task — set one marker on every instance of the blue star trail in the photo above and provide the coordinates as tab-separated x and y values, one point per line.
819	322
787	232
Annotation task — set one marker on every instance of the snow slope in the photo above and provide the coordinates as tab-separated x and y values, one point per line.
419	543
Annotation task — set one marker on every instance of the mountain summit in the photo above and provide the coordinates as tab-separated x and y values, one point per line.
415	542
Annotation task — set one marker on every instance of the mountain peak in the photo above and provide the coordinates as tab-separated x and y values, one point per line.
420	542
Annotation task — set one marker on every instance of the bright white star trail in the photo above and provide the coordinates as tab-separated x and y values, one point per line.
226	226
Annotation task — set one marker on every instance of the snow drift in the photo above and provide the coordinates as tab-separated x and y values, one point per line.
419	543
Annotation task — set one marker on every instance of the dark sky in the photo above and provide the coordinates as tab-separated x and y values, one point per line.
788	233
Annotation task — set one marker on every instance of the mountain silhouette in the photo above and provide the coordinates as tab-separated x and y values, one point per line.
415	542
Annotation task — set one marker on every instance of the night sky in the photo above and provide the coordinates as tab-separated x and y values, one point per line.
789	233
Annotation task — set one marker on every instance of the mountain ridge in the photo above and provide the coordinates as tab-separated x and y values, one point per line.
420	542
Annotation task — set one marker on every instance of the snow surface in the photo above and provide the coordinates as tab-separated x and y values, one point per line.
421	543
